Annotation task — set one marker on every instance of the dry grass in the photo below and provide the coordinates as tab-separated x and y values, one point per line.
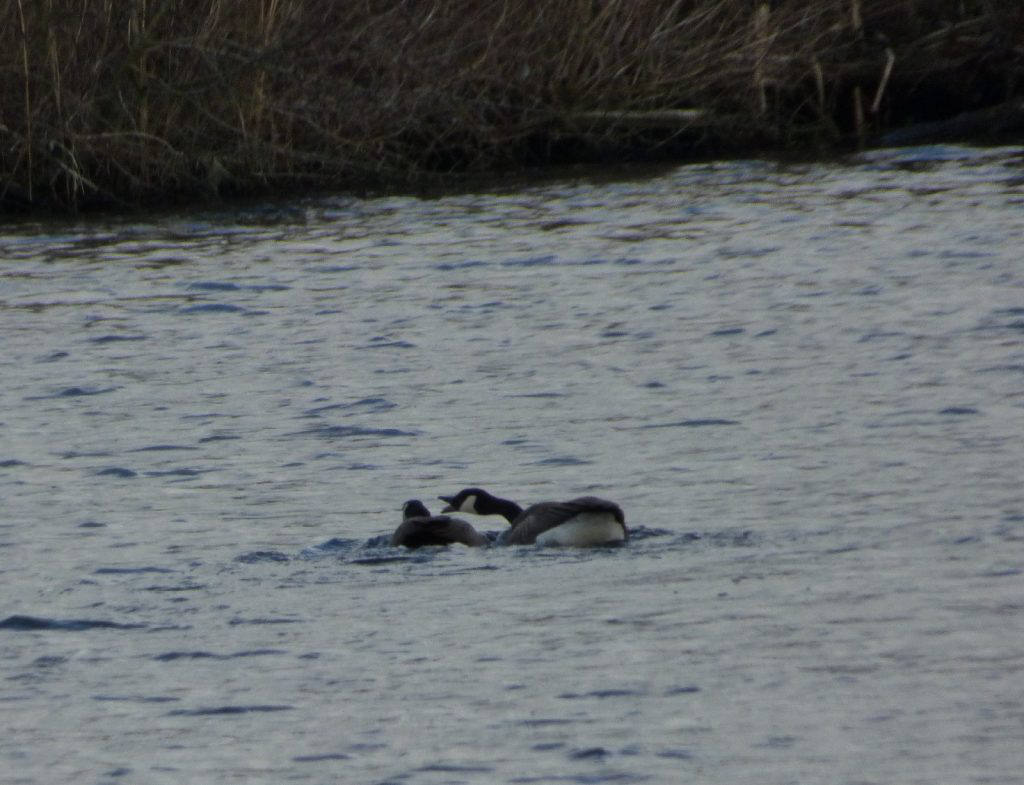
138	101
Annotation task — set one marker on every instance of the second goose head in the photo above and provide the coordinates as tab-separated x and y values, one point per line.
420	528
477	501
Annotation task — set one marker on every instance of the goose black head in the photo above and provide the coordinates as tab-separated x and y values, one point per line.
480	502
414	508
465	500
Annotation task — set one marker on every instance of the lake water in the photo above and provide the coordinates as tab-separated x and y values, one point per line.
804	384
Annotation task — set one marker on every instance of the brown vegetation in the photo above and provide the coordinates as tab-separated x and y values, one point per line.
139	101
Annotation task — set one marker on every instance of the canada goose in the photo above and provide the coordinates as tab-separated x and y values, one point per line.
419	528
583	521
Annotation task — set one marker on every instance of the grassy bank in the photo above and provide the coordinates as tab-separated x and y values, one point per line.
107	102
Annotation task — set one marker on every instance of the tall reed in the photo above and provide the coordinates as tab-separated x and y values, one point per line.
140	101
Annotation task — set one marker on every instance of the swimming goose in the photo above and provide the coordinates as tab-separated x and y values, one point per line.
419	528
583	521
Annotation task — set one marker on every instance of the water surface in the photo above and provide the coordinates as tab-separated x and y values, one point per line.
802	383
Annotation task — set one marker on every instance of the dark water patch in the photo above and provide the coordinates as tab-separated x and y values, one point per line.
172	656
999	322
779	742
49	661
562	460
257	557
261	621
104	339
958	410
54	357
728	331
68	455
449	266
202	308
589	753
841	549
531	261
565	223
22	623
350	431
965	254
695	423
11	463
1010	368
971	539
182	472
675	754
839	669
387	345
1011	529
259	288
371	405
162	262
219	437
319	758
91	525
74	392
542	722
753	253
117	471
878	335
135	698
129	570
766	333
538	395
219	710
601	694
451	768
162	448
1002	572
181	587
688	689
548	746
213	286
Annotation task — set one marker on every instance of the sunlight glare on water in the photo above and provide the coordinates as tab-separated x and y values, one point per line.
803	384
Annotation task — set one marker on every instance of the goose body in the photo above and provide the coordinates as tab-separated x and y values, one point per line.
420	528
583	521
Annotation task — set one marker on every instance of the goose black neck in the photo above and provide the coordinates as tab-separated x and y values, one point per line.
508	510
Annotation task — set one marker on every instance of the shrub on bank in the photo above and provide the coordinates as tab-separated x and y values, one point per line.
142	101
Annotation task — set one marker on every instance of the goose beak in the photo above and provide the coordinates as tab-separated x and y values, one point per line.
448	501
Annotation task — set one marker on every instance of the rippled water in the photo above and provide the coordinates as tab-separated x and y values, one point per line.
804	385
